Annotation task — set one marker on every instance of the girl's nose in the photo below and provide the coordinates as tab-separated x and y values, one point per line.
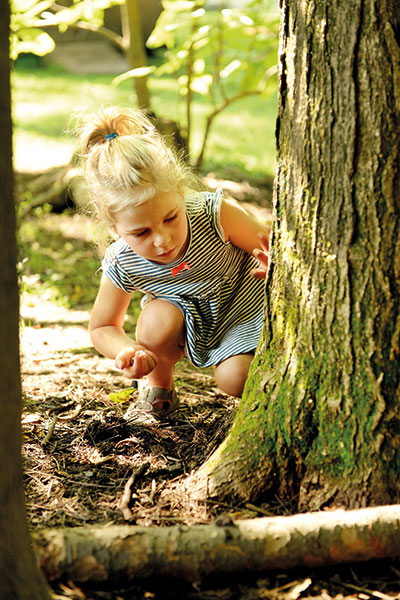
161	239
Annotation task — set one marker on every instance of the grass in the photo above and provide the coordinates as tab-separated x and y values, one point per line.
62	263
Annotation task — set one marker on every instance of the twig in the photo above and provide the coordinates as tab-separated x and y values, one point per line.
127	494
71	416
153	491
375	593
50	431
262	511
222	504
64	418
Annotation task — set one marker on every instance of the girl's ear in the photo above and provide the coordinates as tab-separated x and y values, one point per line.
113	232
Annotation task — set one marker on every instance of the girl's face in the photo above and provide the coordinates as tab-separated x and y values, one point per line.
156	229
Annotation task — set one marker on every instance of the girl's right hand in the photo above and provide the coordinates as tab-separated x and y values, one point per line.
135	362
262	255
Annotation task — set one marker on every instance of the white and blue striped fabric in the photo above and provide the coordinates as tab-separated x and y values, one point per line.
222	304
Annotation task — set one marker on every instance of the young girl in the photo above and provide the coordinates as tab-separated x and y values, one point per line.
189	252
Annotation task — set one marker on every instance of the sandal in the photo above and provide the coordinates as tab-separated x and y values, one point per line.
154	401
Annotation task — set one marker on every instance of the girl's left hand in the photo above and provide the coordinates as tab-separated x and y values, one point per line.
262	255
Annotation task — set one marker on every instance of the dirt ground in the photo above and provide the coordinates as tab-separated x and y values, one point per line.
79	453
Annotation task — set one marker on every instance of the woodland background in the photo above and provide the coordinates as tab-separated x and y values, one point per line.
78	452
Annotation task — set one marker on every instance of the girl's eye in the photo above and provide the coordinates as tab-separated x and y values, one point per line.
141	233
170	219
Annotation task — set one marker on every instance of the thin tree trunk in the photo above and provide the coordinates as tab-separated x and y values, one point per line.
20	578
320	416
136	52
193	553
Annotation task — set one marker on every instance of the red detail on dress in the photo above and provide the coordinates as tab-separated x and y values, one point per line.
182	267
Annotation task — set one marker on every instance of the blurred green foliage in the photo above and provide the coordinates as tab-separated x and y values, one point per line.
31	19
46	98
224	55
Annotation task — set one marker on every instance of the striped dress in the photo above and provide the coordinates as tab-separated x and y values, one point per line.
222	304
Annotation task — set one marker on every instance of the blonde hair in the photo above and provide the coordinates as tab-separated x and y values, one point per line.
129	168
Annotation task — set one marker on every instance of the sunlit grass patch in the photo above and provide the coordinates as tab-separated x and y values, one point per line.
60	261
55	265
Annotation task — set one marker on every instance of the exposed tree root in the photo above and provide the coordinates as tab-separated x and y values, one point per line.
193	553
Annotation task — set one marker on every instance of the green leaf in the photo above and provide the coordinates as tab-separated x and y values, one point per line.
69	15
104	4
179	5
138	72
122	395
200	44
36	9
267	83
201	84
35	41
13	46
233	66
172	65
246	20
199	66
163	33
200	12
22	6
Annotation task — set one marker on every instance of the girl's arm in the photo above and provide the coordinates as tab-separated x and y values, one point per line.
242	230
108	337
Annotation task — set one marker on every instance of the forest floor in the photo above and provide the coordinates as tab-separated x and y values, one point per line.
79	453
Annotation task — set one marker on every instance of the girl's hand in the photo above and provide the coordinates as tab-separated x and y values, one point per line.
135	362
261	254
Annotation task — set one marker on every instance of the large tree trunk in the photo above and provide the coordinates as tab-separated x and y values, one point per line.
320	418
19	576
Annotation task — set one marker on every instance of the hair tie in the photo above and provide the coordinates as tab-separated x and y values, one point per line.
112	135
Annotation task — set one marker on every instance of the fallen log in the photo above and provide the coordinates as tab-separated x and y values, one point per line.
53	187
193	553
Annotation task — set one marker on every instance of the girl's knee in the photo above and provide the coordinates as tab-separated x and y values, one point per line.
231	374
160	324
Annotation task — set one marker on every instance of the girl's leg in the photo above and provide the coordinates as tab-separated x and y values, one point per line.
161	329
231	373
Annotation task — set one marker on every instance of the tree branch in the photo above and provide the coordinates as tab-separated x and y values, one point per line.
219	108
192	553
104	32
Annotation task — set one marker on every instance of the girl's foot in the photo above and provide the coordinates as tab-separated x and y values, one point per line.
155	401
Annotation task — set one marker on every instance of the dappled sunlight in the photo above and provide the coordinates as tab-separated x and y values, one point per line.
37	309
41	343
75	226
59	276
35	154
26	112
58	262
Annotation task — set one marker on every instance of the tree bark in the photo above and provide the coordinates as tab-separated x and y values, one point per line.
20	578
193	553
136	52
320	416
